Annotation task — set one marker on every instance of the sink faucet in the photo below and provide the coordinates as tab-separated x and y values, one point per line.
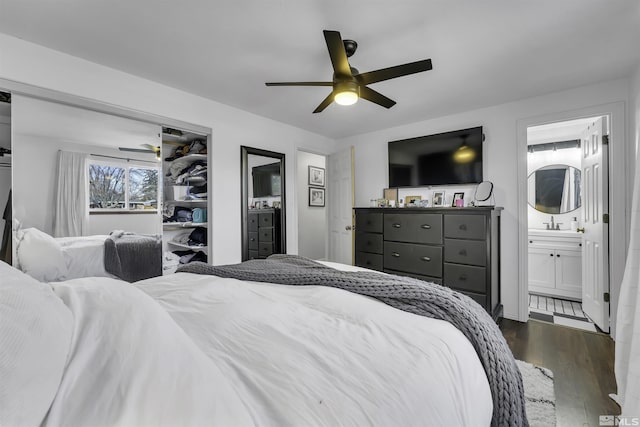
552	224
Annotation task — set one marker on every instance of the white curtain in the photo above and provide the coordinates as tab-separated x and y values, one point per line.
627	362
565	204
71	214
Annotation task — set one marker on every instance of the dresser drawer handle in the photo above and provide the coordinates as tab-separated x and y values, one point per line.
396	225
368	262
463	277
463	252
425	226
425	258
395	254
463	227
253	239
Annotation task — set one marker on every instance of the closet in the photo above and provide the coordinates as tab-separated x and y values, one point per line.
5	177
186	230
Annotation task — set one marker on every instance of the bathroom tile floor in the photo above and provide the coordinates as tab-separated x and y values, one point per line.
560	312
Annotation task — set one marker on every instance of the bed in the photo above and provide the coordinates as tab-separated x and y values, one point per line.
115	255
189	349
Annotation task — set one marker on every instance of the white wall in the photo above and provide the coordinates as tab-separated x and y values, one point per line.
38	66
312	220
500	158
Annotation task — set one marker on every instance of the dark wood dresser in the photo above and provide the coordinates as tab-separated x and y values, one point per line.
454	247
264	232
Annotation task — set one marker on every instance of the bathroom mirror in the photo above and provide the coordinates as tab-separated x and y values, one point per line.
554	189
263	203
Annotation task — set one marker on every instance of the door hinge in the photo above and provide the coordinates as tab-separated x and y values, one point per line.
605	139
605	218
606	297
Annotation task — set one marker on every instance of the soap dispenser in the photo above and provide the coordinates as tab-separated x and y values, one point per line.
574	224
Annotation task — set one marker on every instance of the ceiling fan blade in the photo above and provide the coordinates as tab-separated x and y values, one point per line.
324	104
300	84
376	97
136	150
337	53
393	72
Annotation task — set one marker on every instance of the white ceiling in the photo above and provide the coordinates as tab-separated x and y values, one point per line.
484	52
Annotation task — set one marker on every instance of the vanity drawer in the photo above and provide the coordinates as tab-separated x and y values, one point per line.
418	259
472	252
265	234
465	226
369	242
413	228
436	280
266	219
367	260
252	219
253	241
465	277
369	222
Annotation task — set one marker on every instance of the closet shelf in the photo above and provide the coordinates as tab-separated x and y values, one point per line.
183	224
184	246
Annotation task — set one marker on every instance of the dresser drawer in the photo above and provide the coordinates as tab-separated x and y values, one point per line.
465	277
253	241
265	249
418	259
436	280
265	234
368	242
479	298
472	252
253	222
265	219
369	222
367	260
254	254
413	228
465	226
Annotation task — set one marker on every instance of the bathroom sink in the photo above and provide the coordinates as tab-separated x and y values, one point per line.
544	231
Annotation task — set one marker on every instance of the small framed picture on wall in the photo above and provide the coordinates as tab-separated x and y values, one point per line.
316	176
316	197
438	199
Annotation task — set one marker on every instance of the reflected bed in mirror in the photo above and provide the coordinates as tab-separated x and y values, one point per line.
554	189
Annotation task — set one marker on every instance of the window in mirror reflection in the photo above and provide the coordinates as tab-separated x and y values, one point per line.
117	187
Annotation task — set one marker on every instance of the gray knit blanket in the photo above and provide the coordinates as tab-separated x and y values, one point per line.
132	257
407	294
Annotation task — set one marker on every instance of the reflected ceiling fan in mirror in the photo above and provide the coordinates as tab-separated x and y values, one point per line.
348	83
150	149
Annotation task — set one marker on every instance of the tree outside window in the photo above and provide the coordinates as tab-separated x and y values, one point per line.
113	187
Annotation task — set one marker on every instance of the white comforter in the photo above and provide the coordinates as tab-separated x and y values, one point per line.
210	351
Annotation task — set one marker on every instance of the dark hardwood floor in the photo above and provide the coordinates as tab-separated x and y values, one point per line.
582	364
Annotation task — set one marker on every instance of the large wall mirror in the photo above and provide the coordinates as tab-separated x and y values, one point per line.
555	189
263	203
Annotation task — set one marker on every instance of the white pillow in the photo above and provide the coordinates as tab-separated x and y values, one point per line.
35	337
40	256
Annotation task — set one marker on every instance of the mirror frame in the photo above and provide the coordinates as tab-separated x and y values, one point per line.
548	166
244	194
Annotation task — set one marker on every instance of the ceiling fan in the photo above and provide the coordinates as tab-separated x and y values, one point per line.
150	149
348	83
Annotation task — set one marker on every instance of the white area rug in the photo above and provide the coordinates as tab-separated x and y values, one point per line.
539	394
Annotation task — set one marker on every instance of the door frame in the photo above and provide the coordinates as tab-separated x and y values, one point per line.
620	154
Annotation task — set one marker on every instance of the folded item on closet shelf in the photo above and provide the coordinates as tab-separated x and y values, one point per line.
182	238
188	256
198	189
179	214
198	237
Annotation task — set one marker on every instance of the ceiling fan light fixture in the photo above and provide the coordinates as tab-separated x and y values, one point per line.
346	93
464	154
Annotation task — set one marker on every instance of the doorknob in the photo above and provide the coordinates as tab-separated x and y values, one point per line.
580	230
348	228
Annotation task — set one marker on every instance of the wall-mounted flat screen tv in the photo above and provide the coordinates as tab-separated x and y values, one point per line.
440	159
266	180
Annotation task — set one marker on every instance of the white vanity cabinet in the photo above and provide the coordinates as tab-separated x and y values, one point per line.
555	263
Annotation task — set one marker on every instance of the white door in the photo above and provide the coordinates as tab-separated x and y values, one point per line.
595	241
341	200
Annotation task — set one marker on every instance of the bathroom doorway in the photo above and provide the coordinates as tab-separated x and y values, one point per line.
567	222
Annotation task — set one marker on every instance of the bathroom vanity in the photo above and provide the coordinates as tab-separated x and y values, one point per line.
555	263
